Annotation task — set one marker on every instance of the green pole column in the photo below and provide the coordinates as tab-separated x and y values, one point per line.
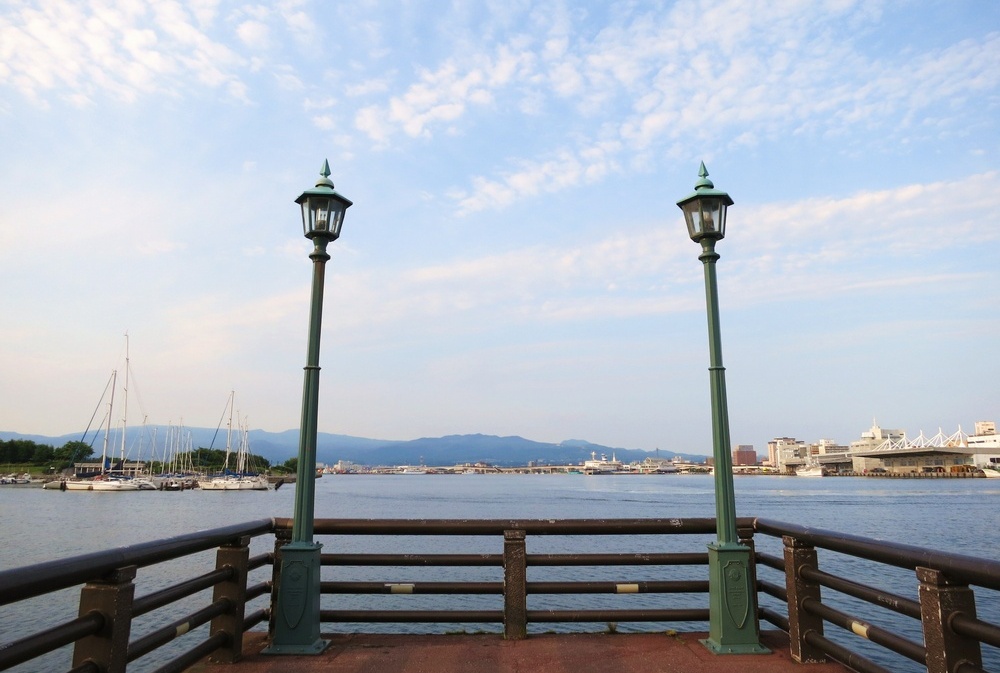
297	627
725	499
733	624
305	495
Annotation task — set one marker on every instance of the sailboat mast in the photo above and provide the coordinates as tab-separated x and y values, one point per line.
229	430
125	404
107	429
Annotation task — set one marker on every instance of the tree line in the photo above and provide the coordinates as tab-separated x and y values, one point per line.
25	452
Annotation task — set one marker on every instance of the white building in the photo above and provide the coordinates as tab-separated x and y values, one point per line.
985	428
985	444
828	447
871	440
786	453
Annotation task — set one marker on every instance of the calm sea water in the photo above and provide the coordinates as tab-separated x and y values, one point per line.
957	515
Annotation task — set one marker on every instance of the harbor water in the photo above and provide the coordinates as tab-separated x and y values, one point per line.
955	515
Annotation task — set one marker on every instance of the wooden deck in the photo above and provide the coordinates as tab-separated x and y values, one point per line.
548	653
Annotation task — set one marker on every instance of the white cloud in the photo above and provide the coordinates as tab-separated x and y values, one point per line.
803	250
118	49
299	24
254	34
444	94
288	79
367	87
323	103
564	170
750	72
371	121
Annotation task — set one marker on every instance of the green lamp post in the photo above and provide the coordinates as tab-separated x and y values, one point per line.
733	625
297	625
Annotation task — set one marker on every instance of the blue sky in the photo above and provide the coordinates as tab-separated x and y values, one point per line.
514	262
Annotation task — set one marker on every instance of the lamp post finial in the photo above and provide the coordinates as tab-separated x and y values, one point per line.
324	179
703	181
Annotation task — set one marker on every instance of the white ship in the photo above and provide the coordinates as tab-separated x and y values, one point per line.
809	471
411	469
602	465
992	471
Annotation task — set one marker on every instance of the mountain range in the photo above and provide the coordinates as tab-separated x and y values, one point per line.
277	447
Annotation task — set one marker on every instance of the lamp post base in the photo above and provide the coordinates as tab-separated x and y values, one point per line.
296	627
733	625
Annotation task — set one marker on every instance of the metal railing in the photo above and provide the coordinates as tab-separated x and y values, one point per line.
512	582
941	605
945	608
100	635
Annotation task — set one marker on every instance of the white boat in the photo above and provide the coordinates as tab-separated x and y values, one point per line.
101	483
809	471
602	465
654	467
234	482
241	479
991	471
12	479
108	481
146	483
112	485
411	469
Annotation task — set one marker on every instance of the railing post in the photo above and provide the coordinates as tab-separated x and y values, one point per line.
799	555
282	537
745	536
515	590
940	600
112	597
236	556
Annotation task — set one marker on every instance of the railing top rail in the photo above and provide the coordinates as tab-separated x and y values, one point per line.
21	583
498	526
979	571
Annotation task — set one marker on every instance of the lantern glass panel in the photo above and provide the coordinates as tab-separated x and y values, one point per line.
336	218
315	214
705	216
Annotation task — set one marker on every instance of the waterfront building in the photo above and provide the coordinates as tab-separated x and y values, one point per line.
833	457
129	468
785	453
829	447
744	454
345	467
870	441
984	428
951	454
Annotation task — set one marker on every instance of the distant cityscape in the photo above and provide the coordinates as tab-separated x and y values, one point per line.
881	450
877	452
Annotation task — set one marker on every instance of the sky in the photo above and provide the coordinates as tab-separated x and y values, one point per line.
514	262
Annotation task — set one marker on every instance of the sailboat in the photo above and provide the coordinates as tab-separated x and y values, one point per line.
241	479
103	482
107	481
178	474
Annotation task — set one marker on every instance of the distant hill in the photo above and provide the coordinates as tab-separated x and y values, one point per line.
278	447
